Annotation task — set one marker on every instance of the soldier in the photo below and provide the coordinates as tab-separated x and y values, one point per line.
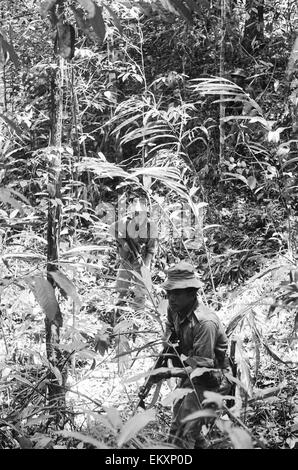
201	342
136	237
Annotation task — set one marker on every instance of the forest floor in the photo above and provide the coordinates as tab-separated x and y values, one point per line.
103	386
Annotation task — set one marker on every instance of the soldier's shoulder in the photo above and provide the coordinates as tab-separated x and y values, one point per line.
204	313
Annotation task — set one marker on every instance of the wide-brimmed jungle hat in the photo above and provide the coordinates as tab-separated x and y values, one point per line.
181	276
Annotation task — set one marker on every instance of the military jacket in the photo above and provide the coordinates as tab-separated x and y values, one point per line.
201	336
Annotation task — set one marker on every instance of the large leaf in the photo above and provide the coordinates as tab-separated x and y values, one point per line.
176	395
81	249
262	394
200	371
114	18
12	125
83	438
134	425
19	195
146	277
67	286
5	196
236	176
114	417
45	296
25	256
240	438
104	169
238	382
160	370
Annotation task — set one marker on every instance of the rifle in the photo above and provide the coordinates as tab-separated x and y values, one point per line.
161	361
233	365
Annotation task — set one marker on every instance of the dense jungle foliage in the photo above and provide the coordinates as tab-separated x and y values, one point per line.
194	104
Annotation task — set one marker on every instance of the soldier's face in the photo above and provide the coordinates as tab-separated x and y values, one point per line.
181	299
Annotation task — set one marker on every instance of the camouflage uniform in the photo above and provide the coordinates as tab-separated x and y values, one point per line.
203	342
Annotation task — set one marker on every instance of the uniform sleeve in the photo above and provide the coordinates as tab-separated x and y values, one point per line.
221	348
205	336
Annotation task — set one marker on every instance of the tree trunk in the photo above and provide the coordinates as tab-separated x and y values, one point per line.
292	78
56	394
253	35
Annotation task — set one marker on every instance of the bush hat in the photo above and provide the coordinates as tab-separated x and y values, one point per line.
181	276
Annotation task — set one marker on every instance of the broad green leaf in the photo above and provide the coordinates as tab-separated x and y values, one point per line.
45	296
163	306
25	256
81	249
142	375
252	182
83	438
5	196
99	418
67	286
23	380
200	371
114	417
114	18
12	125
290	162
135	425
240	438
57	374
262	394
175	396
238	382
237	176
272	353
123	352
146	275
42	442
20	195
